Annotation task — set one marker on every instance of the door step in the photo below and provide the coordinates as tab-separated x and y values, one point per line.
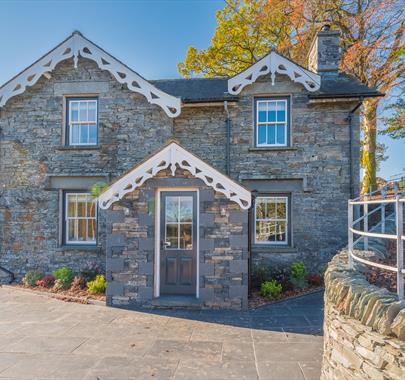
177	302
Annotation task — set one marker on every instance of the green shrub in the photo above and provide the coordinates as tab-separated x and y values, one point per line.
298	275
262	273
31	278
65	277
97	286
271	289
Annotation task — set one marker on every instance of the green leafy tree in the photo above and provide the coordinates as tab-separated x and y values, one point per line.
395	123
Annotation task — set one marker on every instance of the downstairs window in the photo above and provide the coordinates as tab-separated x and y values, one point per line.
271	220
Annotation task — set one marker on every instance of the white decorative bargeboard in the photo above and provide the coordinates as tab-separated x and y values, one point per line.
171	157
76	45
274	63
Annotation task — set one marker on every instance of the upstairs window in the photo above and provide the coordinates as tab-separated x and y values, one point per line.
271	220
272	122
81	121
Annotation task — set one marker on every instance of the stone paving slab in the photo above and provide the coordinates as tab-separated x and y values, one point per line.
47	339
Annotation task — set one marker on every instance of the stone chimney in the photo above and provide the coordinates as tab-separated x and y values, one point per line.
324	54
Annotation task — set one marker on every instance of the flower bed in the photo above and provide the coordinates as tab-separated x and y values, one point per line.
63	284
271	284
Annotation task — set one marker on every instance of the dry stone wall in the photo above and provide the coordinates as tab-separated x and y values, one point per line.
364	327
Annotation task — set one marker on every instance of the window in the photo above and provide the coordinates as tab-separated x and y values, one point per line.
271	220
80	217
272	123
81	126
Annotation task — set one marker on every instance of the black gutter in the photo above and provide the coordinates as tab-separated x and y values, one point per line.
349	96
351	138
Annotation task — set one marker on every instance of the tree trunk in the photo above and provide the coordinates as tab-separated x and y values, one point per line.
368	159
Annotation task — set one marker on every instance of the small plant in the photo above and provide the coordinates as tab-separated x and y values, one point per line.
97	286
31	278
58	285
46	282
78	283
65	277
314	279
298	275
271	289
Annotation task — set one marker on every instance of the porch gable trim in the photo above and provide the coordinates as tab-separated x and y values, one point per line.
171	157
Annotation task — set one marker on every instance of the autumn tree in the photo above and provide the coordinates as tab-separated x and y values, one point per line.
371	39
395	123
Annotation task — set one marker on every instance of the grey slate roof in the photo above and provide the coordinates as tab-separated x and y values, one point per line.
196	89
216	89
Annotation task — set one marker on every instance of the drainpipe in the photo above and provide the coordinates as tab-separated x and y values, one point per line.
250	228
351	138
228	140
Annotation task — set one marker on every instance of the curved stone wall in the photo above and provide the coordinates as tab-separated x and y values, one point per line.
364	327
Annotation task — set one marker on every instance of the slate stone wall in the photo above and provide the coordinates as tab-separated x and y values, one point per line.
223	255
364	328
130	129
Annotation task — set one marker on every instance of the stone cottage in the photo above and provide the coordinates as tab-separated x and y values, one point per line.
206	177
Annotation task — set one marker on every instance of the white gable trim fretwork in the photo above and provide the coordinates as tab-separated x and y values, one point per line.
76	45
274	63
171	157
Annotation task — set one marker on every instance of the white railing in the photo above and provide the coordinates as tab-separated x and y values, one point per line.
382	198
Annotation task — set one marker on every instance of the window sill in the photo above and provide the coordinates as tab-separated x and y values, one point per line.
271	148
78	147
274	249
93	248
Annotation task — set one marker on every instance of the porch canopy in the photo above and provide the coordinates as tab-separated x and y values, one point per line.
173	156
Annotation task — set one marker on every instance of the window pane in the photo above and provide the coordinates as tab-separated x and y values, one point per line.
265	231
81	205
74	138
91	229
271	113
92	134
82	235
280	134
271	134
281	111
281	232
261	135
262	108
83	134
72	229
83	111
172	235
281	210
186	209
92	116
260	209
91	208
71	205
74	111
270	210
186	237
172	209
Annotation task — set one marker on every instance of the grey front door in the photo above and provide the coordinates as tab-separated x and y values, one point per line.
178	215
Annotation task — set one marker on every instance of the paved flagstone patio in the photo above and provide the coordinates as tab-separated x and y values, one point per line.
42	338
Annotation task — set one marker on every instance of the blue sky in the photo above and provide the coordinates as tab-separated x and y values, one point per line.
149	36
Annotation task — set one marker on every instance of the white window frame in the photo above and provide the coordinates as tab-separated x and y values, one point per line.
275	123
179	223
80	123
287	226
67	218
